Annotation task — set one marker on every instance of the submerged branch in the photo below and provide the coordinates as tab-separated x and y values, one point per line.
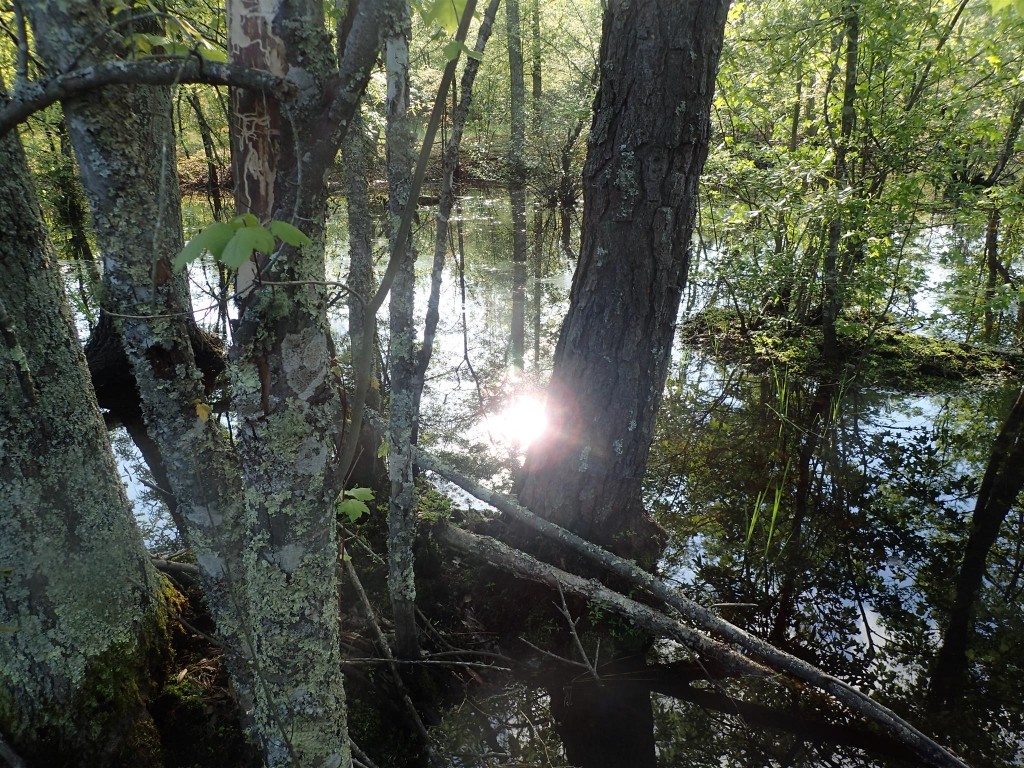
505	557
892	723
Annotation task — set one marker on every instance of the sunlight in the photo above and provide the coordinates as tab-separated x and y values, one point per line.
519	423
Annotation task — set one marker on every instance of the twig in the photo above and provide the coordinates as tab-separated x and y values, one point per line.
382	641
556	657
360	756
564	610
13	758
425	662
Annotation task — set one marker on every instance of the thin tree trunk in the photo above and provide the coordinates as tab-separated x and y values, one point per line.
517	177
447	202
991	335
401	350
359	152
832	299
1000	488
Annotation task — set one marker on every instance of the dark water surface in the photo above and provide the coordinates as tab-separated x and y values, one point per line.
829	518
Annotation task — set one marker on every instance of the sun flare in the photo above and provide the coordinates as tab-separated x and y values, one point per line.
521	421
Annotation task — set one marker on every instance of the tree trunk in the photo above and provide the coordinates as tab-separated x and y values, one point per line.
613	351
832	299
359	152
991	333
647	148
517	177
82	620
402	348
1000	487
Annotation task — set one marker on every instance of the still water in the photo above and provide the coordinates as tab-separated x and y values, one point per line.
829	518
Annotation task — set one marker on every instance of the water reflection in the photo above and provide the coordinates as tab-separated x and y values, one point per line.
828	518
833	520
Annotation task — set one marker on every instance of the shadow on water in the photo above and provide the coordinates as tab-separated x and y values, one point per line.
834	522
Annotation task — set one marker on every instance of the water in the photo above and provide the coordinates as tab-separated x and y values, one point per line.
830	519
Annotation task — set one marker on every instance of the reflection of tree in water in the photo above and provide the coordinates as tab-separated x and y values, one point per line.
852	560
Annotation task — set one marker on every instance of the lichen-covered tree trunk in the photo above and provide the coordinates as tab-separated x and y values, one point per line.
124	141
82	618
648	144
401	156
285	385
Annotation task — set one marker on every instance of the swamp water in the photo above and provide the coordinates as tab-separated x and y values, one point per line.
828	518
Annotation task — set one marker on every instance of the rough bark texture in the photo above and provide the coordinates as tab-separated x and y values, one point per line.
124	142
647	147
402	348
81	613
359	151
286	391
648	144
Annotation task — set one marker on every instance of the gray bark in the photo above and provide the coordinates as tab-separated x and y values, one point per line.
401	349
286	393
359	152
81	613
517	176
124	142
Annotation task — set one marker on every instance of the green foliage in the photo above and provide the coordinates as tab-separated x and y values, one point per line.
354	505
232	243
444	13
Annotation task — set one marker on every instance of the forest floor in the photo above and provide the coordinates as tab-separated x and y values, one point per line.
880	354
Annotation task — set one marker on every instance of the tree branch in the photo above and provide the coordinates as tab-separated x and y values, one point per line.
899	728
503	556
172	71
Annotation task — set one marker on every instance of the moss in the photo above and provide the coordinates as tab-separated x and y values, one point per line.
106	722
886	356
195	712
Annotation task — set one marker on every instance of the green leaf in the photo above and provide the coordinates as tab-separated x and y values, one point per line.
382	452
455	47
353	509
445	13
289	234
211	52
212	238
246	220
363	494
246	240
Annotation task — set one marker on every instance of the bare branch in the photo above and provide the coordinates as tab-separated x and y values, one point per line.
899	728
171	71
503	556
